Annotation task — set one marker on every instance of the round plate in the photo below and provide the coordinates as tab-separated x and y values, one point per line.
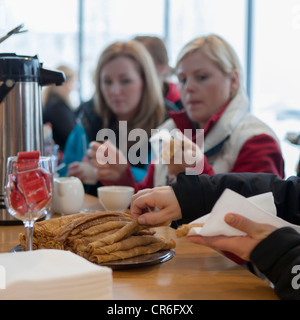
141	261
136	262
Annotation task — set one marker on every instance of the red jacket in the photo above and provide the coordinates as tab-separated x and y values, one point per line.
268	157
259	150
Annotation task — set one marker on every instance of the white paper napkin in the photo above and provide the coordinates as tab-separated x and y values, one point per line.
53	275
260	209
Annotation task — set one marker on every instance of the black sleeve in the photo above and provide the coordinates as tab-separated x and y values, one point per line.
62	119
276	257
198	194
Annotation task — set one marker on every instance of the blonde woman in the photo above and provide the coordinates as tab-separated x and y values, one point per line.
211	89
127	91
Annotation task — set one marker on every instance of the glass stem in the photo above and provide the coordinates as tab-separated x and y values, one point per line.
29	234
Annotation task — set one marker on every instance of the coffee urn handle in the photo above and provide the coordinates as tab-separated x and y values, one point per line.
48	77
5	88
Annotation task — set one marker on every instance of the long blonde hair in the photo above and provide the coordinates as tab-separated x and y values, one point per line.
151	112
219	51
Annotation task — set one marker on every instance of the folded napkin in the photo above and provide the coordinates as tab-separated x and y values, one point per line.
53	275
260	209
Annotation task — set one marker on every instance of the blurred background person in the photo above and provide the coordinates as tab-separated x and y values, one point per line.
157	48
57	108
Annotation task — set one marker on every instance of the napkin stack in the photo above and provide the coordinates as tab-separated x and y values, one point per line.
53	275
260	209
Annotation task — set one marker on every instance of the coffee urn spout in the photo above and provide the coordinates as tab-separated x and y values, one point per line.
49	77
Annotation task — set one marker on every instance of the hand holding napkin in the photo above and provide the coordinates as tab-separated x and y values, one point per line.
53	275
260	209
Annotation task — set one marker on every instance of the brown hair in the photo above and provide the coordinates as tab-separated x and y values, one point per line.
156	48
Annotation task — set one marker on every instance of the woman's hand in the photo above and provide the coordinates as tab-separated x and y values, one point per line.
75	170
240	246
182	154
110	162
145	204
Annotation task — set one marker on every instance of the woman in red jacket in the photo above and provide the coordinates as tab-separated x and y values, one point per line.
211	90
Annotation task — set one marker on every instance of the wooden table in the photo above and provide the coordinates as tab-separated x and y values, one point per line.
195	273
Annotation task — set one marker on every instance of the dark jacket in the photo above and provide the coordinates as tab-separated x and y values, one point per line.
198	194
281	266
61	116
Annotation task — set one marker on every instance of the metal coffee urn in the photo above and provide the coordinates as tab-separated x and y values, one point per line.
21	123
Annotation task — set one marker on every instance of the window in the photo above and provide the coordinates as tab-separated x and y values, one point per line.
276	71
201	17
52	31
109	21
54	28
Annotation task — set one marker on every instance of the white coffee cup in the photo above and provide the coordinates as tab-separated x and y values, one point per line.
115	198
68	195
89	172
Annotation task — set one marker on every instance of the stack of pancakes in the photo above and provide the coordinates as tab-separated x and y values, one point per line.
98	236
